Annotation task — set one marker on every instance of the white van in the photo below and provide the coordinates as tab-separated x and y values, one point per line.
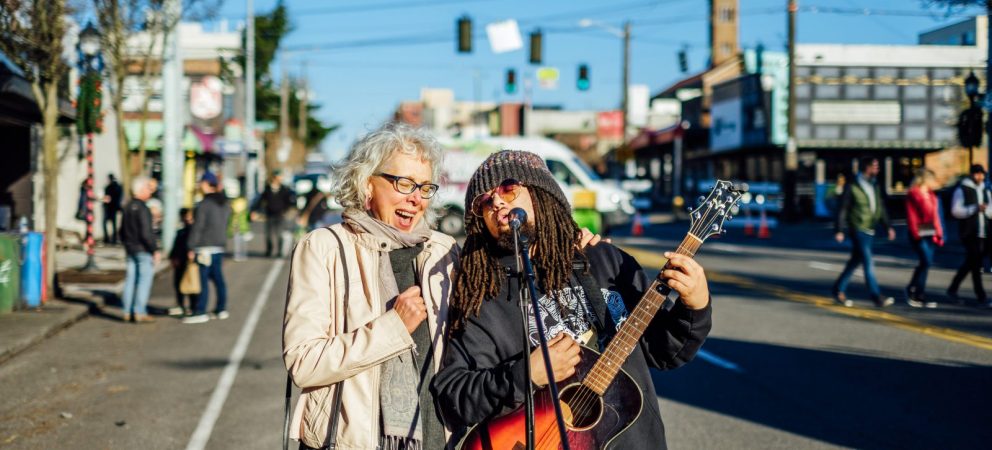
462	157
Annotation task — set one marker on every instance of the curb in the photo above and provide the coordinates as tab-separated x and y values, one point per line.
34	326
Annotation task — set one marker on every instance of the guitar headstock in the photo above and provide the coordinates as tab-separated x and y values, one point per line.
713	210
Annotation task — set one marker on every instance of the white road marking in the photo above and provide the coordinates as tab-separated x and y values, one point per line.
718	361
832	268
206	426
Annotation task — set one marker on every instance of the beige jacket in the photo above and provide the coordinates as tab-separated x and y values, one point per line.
324	344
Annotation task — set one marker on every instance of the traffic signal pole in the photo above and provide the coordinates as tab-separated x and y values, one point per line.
988	77
791	152
626	78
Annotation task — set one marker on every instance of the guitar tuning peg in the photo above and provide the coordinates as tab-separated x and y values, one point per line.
689	209
701	199
723	231
730	217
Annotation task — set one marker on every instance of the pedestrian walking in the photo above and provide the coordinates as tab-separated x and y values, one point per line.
113	195
860	213
207	241
179	258
926	233
970	205
367	302
142	251
274	202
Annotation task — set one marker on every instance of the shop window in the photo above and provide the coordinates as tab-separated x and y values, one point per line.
856	132
886	92
886	133
915	92
915	132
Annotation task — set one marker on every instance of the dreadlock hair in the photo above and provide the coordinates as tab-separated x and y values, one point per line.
480	275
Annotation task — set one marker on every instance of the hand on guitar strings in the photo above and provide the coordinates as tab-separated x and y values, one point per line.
564	352
684	275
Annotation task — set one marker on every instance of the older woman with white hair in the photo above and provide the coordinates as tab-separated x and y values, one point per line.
367	302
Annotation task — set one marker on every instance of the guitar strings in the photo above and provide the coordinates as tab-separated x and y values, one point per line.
586	399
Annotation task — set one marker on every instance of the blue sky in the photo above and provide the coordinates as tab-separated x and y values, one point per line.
360	85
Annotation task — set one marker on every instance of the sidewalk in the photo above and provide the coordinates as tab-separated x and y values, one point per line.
80	294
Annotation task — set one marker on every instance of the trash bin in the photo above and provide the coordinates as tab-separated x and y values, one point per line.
10	271
32	270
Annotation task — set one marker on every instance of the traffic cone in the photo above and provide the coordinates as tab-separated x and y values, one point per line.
748	224
763	232
636	227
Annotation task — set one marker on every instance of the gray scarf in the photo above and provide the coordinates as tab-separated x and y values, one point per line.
399	398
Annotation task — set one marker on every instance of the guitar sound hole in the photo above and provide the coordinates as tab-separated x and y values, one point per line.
581	406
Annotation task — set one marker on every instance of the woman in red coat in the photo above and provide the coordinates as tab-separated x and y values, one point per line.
925	234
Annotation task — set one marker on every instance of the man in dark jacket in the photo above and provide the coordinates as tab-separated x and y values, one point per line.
483	373
207	241
113	194
142	252
275	200
861	211
970	205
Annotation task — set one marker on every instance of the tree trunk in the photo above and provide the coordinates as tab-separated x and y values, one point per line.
47	94
122	149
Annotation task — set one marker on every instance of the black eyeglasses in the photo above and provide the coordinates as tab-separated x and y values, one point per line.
508	190
406	186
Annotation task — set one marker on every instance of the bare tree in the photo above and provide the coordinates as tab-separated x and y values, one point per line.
31	37
119	20
122	20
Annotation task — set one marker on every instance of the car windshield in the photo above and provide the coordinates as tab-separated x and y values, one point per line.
586	169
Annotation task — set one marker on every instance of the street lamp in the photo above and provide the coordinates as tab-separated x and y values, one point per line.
89	120
625	71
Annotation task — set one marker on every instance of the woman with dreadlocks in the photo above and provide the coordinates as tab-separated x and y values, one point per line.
584	297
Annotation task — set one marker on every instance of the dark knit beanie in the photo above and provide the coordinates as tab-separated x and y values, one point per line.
525	167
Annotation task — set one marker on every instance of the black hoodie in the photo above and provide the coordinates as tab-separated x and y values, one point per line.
483	371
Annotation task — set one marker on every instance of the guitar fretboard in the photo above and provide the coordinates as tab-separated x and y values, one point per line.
608	365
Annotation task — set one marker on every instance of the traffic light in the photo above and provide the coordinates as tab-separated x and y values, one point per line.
511	81
464	35
970	127
683	61
583	81
535	47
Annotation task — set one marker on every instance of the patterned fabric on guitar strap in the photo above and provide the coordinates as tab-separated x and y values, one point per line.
594	294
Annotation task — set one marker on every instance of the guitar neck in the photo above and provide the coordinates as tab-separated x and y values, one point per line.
608	365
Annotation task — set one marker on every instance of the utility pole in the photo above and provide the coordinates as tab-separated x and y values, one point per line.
172	118
791	156
251	166
626	78
304	101
284	105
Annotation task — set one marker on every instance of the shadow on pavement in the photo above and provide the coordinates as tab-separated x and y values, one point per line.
841	396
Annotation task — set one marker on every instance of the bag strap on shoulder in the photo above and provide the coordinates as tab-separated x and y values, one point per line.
332	427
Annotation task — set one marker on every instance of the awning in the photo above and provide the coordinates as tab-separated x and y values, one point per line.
154	130
17	102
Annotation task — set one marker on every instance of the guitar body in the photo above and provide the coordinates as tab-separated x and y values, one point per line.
592	421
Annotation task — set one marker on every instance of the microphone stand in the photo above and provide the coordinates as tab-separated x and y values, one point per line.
529	293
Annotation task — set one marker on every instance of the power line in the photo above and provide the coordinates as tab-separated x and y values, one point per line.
855	11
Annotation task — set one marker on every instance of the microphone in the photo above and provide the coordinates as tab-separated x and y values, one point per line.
518	217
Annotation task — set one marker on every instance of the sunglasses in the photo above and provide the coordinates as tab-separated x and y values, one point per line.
508	190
